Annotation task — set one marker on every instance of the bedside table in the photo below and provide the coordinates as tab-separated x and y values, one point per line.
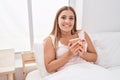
28	58
7	63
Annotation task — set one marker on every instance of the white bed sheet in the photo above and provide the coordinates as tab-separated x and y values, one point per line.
77	72
83	71
115	71
33	75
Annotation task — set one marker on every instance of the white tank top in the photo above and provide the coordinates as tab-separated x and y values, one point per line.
63	48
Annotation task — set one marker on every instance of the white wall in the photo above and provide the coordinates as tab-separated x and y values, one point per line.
100	15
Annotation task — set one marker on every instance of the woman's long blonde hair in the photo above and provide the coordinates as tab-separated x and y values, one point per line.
56	30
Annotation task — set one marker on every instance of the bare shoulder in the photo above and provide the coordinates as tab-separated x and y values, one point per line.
47	41
86	35
48	44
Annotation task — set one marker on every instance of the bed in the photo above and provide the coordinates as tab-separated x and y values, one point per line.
107	45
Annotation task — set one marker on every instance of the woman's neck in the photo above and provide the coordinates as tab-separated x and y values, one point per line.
66	34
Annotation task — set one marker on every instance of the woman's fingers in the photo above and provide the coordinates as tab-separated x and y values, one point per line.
77	46
73	48
81	50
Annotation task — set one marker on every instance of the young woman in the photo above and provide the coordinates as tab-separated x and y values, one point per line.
68	52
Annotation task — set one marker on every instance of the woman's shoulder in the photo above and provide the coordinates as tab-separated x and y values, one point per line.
46	39
49	39
81	33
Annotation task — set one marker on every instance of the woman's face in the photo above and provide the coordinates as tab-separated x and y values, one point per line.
66	20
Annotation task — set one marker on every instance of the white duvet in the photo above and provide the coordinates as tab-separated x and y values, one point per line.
83	71
86	70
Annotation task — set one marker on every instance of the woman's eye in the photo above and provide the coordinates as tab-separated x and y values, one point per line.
63	17
71	18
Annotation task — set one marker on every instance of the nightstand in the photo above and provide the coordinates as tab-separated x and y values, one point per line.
7	63
28	58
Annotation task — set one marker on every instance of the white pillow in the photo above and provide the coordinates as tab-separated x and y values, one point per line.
107	45
39	55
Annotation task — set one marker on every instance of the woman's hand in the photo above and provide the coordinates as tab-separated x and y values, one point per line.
73	46
81	50
77	47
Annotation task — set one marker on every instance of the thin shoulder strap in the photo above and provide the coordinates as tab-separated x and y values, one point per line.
81	34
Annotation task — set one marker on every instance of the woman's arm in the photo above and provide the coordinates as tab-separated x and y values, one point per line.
51	63
91	54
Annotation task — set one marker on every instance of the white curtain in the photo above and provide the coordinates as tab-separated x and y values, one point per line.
14	28
17	16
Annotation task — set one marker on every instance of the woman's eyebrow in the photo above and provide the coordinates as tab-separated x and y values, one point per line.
71	16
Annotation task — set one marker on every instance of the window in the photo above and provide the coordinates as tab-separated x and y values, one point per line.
14	28
20	19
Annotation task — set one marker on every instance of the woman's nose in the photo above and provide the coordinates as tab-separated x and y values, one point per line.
67	20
